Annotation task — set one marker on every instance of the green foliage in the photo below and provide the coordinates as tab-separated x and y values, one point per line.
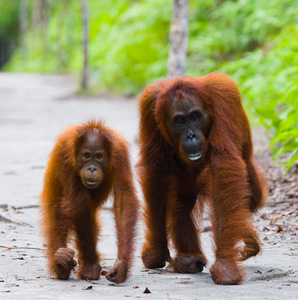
130	48
8	17
222	31
253	41
127	48
269	80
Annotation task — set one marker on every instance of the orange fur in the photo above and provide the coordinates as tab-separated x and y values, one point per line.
67	205
227	176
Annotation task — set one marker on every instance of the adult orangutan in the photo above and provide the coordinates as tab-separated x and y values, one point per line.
88	162
195	146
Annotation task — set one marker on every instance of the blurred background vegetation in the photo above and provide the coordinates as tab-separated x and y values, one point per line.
253	41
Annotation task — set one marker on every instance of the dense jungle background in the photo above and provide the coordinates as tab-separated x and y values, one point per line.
253	41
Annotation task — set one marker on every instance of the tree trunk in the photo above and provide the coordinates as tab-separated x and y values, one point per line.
23	26
178	39
37	15
85	12
61	53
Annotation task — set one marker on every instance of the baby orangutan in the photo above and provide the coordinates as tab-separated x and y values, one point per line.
88	162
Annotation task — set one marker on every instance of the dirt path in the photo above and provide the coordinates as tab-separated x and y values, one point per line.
33	110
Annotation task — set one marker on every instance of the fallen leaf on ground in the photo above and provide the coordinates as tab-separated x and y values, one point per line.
272	274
